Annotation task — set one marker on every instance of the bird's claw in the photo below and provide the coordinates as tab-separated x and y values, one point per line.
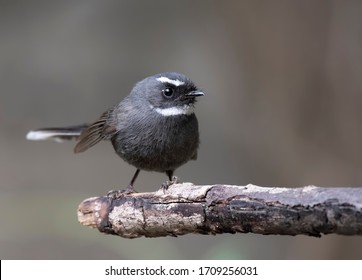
167	184
130	189
118	193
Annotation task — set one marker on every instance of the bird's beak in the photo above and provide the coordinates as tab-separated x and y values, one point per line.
195	93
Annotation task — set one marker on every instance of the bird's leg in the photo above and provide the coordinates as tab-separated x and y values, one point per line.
169	173
130	188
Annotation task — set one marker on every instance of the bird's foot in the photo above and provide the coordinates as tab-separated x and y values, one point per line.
167	184
113	194
130	189
116	194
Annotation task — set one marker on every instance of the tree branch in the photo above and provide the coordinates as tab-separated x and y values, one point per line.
214	209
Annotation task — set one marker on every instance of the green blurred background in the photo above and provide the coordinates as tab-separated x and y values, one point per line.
283	108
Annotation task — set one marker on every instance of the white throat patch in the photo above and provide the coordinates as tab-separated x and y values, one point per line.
175	111
170	81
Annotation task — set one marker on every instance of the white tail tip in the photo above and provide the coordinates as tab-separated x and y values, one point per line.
39	135
59	136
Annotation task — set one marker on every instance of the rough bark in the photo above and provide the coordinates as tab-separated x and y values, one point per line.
215	209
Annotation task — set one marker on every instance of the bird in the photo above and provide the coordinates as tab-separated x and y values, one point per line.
154	128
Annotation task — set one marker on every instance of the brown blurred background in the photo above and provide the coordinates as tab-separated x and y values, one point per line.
283	108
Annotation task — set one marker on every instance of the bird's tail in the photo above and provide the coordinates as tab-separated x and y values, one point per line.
58	134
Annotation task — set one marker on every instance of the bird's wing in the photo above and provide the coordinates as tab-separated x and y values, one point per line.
99	130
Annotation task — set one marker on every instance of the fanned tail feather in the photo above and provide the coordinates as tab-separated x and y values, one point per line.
58	134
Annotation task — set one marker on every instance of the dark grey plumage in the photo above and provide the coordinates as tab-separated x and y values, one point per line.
154	128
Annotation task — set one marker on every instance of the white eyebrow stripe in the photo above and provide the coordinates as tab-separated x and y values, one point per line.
170	81
175	111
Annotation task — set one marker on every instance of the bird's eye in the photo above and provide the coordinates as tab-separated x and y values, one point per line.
168	92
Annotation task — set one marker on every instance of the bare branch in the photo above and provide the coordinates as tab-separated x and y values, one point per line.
215	209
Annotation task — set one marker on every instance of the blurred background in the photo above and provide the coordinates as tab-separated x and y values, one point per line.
283	108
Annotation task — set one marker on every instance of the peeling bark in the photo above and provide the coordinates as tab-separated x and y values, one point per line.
215	209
